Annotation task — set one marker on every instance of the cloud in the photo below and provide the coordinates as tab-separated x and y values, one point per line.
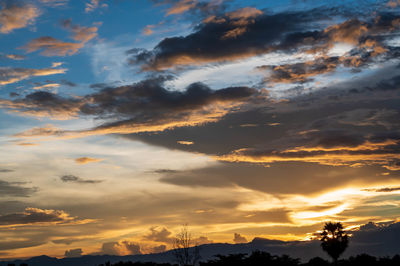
120	248
249	32
47	86
327	147
209	39
54	3
161	235
14	17
146	106
73	253
76	179
158	249
12	56
202	240
33	216
43	103
148	30
385	189
41	131
80	33
238	239
93	4
86	160
181	6
393	3
185	142
133	248
111	248
240	18
300	72
54	47
14	189
9	75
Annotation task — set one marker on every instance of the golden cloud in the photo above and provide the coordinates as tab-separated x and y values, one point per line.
86	160
17	17
10	75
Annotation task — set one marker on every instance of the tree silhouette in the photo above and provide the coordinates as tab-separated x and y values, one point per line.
185	251
334	240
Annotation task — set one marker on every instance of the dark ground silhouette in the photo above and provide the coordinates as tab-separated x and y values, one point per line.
260	258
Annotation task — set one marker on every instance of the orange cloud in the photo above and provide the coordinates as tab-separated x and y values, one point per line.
148	30
241	18
54	47
204	115
17	17
86	160
246	12
12	75
367	153
185	142
181	7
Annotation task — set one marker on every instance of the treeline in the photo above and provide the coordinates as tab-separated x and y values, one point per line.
259	258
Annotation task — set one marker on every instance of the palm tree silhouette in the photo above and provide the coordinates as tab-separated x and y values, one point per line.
334	240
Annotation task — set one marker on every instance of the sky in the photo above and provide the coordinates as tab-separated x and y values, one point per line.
122	120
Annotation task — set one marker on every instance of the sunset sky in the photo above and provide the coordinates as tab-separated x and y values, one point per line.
122	120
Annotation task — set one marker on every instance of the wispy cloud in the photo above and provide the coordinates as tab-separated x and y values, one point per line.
76	179
13	16
94	4
9	75
86	160
54	47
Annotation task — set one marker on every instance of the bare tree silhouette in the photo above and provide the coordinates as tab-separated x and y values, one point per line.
185	251
334	240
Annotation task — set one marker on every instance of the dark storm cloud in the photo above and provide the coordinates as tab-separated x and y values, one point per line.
15	189
248	32
207	44
76	179
150	96
144	106
334	125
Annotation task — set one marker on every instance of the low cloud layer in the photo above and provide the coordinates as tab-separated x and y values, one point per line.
146	106
33	216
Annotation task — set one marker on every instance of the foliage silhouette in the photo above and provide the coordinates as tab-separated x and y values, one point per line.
260	258
334	240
